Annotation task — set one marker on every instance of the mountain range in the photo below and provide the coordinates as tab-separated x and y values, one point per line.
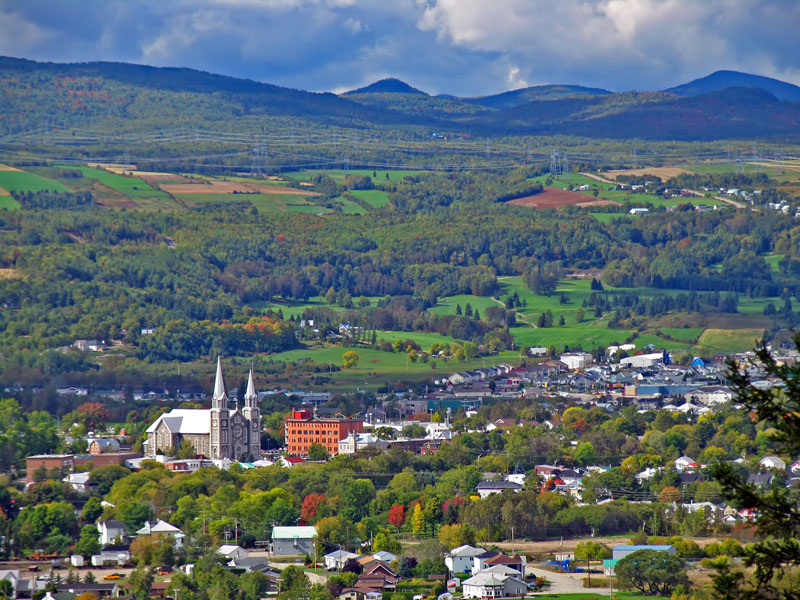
723	105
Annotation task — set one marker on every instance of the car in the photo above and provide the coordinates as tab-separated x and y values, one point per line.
163	570
113	576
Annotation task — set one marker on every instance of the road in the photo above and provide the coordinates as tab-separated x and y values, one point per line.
567	583
598	178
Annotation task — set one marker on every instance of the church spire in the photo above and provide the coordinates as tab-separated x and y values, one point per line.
250	395
219	384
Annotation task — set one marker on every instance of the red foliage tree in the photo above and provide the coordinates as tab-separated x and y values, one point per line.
93	415
311	503
397	515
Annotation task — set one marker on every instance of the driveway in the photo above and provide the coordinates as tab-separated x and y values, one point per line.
567	583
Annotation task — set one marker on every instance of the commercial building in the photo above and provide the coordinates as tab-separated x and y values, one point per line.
303	429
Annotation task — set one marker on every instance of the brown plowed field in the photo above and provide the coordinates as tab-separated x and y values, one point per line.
4	192
556	198
231	187
8	168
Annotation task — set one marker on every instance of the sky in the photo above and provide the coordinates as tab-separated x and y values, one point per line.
460	47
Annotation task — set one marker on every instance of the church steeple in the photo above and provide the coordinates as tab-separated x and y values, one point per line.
250	396
219	399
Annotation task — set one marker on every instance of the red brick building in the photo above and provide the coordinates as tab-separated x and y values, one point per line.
303	429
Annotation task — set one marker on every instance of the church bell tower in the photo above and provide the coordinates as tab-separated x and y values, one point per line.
252	413
220	426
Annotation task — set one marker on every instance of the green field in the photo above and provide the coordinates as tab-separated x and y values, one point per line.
375	363
349	207
23	181
585	337
265	203
730	340
376	198
644	339
8	203
612	217
338	175
130	186
773	261
423	339
684	334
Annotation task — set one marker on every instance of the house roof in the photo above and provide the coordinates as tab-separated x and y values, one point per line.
635	547
341	554
184	421
158	527
226	549
466	550
499	485
113	524
295	532
484	578
502	559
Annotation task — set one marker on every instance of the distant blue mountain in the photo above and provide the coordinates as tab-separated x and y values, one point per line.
390	85
721	80
522	96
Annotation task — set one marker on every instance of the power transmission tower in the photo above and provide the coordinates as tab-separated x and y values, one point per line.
633	159
346	160
255	165
564	164
555	163
126	157
47	132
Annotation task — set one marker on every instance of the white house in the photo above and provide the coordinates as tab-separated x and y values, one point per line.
493	585
335	560
78	482
712	395
232	552
163	528
487	488
460	559
11	575
772	462
111	531
356	441
685	464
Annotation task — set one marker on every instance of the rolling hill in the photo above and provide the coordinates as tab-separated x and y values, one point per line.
115	97
721	80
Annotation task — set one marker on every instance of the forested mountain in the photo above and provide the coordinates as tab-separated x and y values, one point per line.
118	96
722	80
522	96
391	85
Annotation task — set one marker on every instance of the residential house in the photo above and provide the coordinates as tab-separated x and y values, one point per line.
356	441
460	559
231	551
515	562
772	462
79	482
335	560
100	445
487	488
685	464
385	556
163	528
111	532
493	585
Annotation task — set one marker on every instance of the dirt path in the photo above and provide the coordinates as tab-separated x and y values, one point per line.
519	316
598	178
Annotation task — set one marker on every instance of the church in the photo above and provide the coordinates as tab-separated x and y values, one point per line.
215	433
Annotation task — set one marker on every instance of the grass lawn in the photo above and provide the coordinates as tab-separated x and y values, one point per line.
23	181
773	260
8	203
130	186
376	198
730	340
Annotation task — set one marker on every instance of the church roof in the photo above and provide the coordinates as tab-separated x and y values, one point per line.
185	420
